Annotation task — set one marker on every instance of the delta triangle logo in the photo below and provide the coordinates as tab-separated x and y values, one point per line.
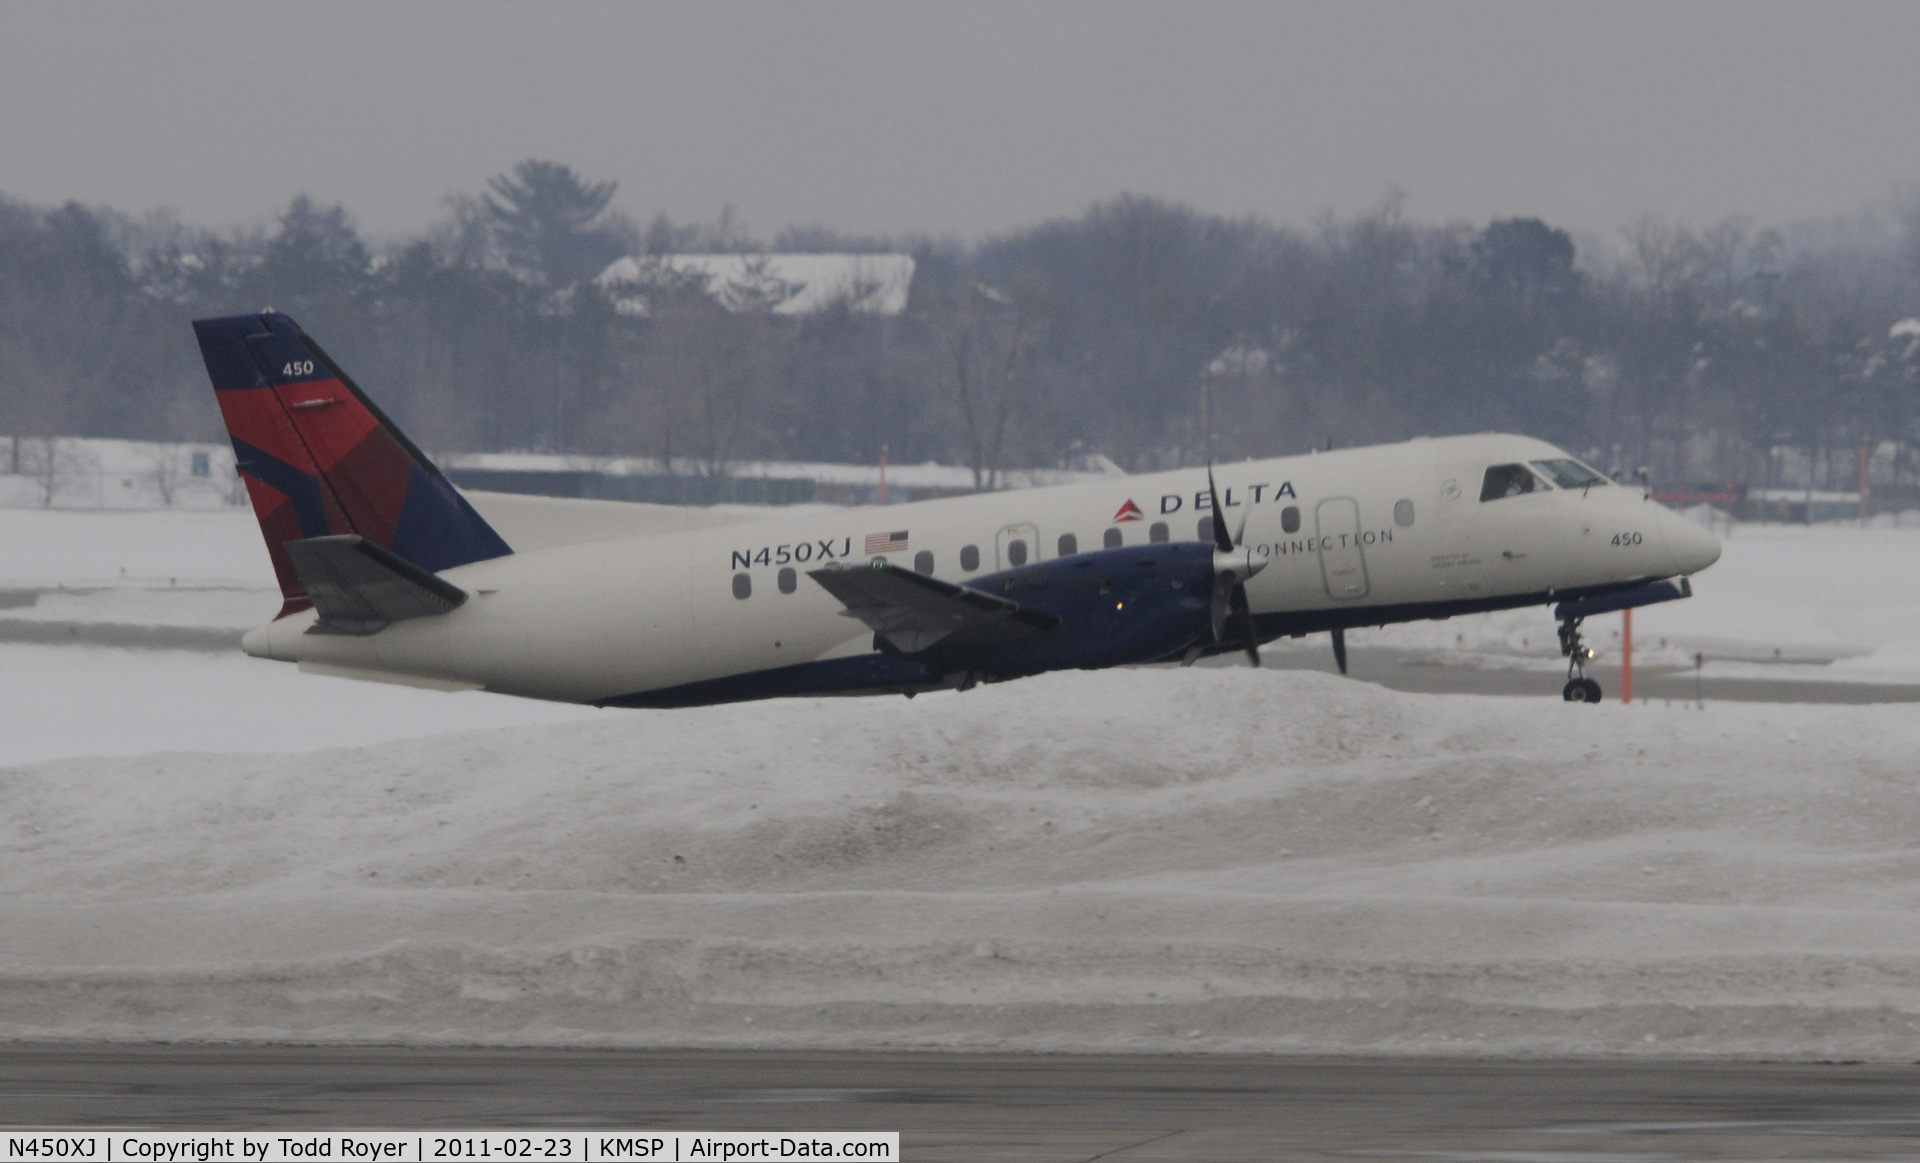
1128	512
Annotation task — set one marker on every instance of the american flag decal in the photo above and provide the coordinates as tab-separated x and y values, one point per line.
887	542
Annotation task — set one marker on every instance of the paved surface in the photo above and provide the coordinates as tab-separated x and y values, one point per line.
122	636
1005	1107
1405	670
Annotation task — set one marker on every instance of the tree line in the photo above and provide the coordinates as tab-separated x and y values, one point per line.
1138	329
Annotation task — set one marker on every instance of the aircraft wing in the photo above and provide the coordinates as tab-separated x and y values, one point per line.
913	612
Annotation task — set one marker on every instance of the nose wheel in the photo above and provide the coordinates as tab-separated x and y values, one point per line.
1579	688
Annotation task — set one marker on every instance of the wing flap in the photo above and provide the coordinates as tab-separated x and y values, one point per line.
913	612
358	588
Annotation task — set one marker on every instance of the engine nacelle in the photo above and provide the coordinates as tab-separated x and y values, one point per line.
1116	607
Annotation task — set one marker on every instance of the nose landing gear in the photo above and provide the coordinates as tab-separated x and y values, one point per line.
1579	688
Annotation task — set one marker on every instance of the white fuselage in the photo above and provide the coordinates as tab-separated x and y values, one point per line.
1360	536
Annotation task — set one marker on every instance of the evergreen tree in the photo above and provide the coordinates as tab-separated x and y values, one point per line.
552	225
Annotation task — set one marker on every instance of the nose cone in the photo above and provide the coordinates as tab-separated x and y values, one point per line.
1693	548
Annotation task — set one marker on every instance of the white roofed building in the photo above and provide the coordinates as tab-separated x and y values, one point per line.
785	284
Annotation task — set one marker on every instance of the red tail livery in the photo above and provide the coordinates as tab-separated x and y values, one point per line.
320	459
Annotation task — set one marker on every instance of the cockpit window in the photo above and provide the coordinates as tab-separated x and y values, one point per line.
1510	480
1569	473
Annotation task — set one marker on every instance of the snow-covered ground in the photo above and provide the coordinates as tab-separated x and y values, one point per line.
104	572
1203	859
87	473
194	844
143	549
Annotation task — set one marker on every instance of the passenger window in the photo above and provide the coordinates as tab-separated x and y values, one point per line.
1157	532
970	558
742	585
1069	545
1111	539
1510	480
1017	551
1403	513
789	580
1290	519
1205	530
923	561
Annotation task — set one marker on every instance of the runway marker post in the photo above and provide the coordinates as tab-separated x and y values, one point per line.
1626	655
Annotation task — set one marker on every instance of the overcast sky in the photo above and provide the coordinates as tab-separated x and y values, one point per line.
969	118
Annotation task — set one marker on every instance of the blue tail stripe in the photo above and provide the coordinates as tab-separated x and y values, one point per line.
301	488
438	529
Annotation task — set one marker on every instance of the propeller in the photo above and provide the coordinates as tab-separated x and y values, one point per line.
1232	566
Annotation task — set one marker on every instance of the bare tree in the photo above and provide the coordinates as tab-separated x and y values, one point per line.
167	469
55	465
33	458
1665	260
987	338
704	379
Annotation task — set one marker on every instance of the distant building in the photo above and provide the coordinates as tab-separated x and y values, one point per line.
788	284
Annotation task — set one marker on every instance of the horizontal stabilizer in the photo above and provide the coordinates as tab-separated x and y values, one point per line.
1646	594
912	612
359	588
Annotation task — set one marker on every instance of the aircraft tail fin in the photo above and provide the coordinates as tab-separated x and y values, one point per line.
320	459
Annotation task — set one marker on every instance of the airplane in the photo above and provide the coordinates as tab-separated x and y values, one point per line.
389	573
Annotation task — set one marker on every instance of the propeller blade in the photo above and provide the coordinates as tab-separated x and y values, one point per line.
1231	572
1244	616
1223	591
1340	650
1221	541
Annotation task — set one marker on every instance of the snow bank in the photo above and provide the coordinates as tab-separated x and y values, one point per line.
1226	860
60	701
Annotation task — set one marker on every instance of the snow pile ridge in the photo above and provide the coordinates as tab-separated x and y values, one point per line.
1207	859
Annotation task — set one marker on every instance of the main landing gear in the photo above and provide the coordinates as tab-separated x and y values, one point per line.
1579	688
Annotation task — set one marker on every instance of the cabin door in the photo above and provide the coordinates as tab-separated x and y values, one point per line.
1343	567
1458	554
